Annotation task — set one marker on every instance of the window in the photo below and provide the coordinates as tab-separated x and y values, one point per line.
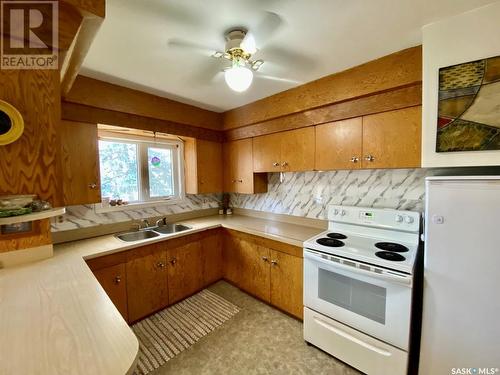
139	171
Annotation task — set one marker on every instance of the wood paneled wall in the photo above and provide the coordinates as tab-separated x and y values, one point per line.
106	96
400	69
84	113
29	165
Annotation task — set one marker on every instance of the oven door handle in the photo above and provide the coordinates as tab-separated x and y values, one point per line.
314	256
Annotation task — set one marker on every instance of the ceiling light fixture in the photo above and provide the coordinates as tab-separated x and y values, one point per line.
238	77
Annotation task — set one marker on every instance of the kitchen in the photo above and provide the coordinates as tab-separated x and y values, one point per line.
248	191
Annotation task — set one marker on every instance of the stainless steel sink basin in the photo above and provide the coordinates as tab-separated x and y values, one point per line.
137	236
171	228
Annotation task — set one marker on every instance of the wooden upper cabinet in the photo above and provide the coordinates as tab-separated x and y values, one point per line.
267	153
285	151
297	150
339	145
146	281
238	169
393	139
79	163
185	270
203	167
113	280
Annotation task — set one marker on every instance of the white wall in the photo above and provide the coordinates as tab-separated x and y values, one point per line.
466	37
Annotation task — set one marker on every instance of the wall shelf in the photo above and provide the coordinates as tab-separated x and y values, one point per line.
33	216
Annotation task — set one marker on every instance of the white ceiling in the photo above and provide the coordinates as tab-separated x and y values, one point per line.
317	38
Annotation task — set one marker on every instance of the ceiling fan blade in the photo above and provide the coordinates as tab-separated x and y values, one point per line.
262	32
288	58
211	71
278	79
185	44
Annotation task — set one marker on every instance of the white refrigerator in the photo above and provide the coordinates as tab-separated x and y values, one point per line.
461	300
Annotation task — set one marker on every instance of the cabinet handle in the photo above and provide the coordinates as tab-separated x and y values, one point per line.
264	258
239	181
173	261
93	185
354	159
118	279
160	265
276	164
284	164
274	262
369	158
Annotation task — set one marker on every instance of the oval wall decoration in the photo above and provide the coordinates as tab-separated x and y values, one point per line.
11	123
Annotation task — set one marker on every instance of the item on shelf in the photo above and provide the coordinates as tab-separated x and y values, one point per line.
14	212
105	201
112	202
39	205
14	202
229	211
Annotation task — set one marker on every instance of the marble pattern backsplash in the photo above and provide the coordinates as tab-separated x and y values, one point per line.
85	216
308	194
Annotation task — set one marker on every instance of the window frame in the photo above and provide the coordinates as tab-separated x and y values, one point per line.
143	144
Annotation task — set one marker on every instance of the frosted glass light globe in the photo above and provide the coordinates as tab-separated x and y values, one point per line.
238	78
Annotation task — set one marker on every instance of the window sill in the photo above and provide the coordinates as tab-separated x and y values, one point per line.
98	208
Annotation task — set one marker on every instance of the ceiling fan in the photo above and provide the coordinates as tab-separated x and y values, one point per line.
241	44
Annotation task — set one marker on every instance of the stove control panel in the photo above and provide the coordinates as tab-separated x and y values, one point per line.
376	217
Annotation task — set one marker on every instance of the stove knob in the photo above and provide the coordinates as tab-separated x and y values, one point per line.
399	219
343	213
335	211
408	219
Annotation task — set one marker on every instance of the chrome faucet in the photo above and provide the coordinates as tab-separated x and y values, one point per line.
162	221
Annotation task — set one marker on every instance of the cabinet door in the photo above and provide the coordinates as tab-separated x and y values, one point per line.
392	139
297	150
287	283
146	282
338	145
114	282
211	252
255	269
238	169
185	271
246	265
231	258
267	153
209	166
79	163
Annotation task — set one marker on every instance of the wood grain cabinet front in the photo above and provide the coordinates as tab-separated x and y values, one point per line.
79	163
147	281
203	169
238	169
288	151
113	280
211	252
269	270
185	271
393	139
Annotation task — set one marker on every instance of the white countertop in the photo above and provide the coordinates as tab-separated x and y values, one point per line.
56	319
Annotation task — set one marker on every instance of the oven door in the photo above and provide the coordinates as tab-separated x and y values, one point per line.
378	304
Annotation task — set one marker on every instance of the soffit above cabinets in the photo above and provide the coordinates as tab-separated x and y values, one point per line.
317	38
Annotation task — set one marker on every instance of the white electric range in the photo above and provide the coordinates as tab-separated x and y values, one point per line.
358	279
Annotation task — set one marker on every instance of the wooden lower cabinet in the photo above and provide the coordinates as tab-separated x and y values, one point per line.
147	285
144	280
287	283
211	250
113	280
269	270
185	271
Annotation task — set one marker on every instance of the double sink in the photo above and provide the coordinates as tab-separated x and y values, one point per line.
152	232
